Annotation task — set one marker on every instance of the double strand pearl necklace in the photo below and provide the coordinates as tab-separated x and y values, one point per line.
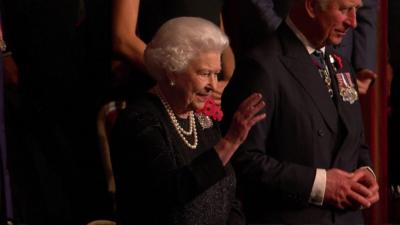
192	123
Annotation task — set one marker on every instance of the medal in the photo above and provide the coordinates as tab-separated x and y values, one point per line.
327	80
346	88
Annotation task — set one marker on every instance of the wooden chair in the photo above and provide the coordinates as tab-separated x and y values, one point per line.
105	121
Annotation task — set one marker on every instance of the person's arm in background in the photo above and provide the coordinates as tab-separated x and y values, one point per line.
228	66
6	60
125	43
364	45
268	14
10	68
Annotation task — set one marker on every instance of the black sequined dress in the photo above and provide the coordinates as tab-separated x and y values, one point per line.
161	181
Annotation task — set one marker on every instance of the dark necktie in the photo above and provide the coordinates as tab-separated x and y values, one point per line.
319	61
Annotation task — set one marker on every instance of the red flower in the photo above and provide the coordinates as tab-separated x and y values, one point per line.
212	110
338	61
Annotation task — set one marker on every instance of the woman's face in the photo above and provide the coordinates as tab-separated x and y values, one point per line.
195	85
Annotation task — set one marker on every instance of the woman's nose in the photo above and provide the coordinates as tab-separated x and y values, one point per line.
214	81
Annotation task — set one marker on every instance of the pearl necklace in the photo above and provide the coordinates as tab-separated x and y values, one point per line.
178	128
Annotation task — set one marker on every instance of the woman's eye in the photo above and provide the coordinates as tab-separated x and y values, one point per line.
209	73
205	73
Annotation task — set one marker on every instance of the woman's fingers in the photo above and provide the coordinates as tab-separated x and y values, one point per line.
245	117
251	100
254	109
251	106
256	119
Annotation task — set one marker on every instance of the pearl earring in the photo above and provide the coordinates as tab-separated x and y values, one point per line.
171	83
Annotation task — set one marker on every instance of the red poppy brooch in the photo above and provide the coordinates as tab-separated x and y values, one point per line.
210	110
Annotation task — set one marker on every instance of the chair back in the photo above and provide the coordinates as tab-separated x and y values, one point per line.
105	122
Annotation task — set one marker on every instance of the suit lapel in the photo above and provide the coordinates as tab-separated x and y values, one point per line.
298	63
337	97
345	111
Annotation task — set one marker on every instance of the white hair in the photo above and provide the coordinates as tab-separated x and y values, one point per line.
323	4
178	41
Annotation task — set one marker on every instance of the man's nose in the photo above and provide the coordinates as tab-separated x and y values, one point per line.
352	18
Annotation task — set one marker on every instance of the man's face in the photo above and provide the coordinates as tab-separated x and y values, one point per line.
334	21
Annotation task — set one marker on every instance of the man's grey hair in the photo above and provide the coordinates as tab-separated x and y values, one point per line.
180	40
324	4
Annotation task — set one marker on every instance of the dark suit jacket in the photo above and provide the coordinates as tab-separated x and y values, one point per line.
304	130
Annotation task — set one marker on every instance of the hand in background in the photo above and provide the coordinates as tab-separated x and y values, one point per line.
365	77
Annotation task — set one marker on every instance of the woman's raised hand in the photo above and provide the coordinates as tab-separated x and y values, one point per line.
242	121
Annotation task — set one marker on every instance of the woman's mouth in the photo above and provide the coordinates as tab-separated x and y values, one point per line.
203	97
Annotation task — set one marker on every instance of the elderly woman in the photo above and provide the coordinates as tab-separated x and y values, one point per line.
134	23
171	164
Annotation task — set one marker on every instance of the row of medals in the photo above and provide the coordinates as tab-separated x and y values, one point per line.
348	92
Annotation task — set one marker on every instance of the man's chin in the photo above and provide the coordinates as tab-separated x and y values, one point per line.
336	40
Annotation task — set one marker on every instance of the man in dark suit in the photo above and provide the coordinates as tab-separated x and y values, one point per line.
358	46
308	162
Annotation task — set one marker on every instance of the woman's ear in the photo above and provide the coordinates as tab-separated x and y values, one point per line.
171	77
311	7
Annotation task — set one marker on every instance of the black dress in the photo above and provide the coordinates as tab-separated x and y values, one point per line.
162	181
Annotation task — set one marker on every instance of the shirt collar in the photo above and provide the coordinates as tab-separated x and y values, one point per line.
302	38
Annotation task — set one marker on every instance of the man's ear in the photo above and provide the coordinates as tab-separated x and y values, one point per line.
311	7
